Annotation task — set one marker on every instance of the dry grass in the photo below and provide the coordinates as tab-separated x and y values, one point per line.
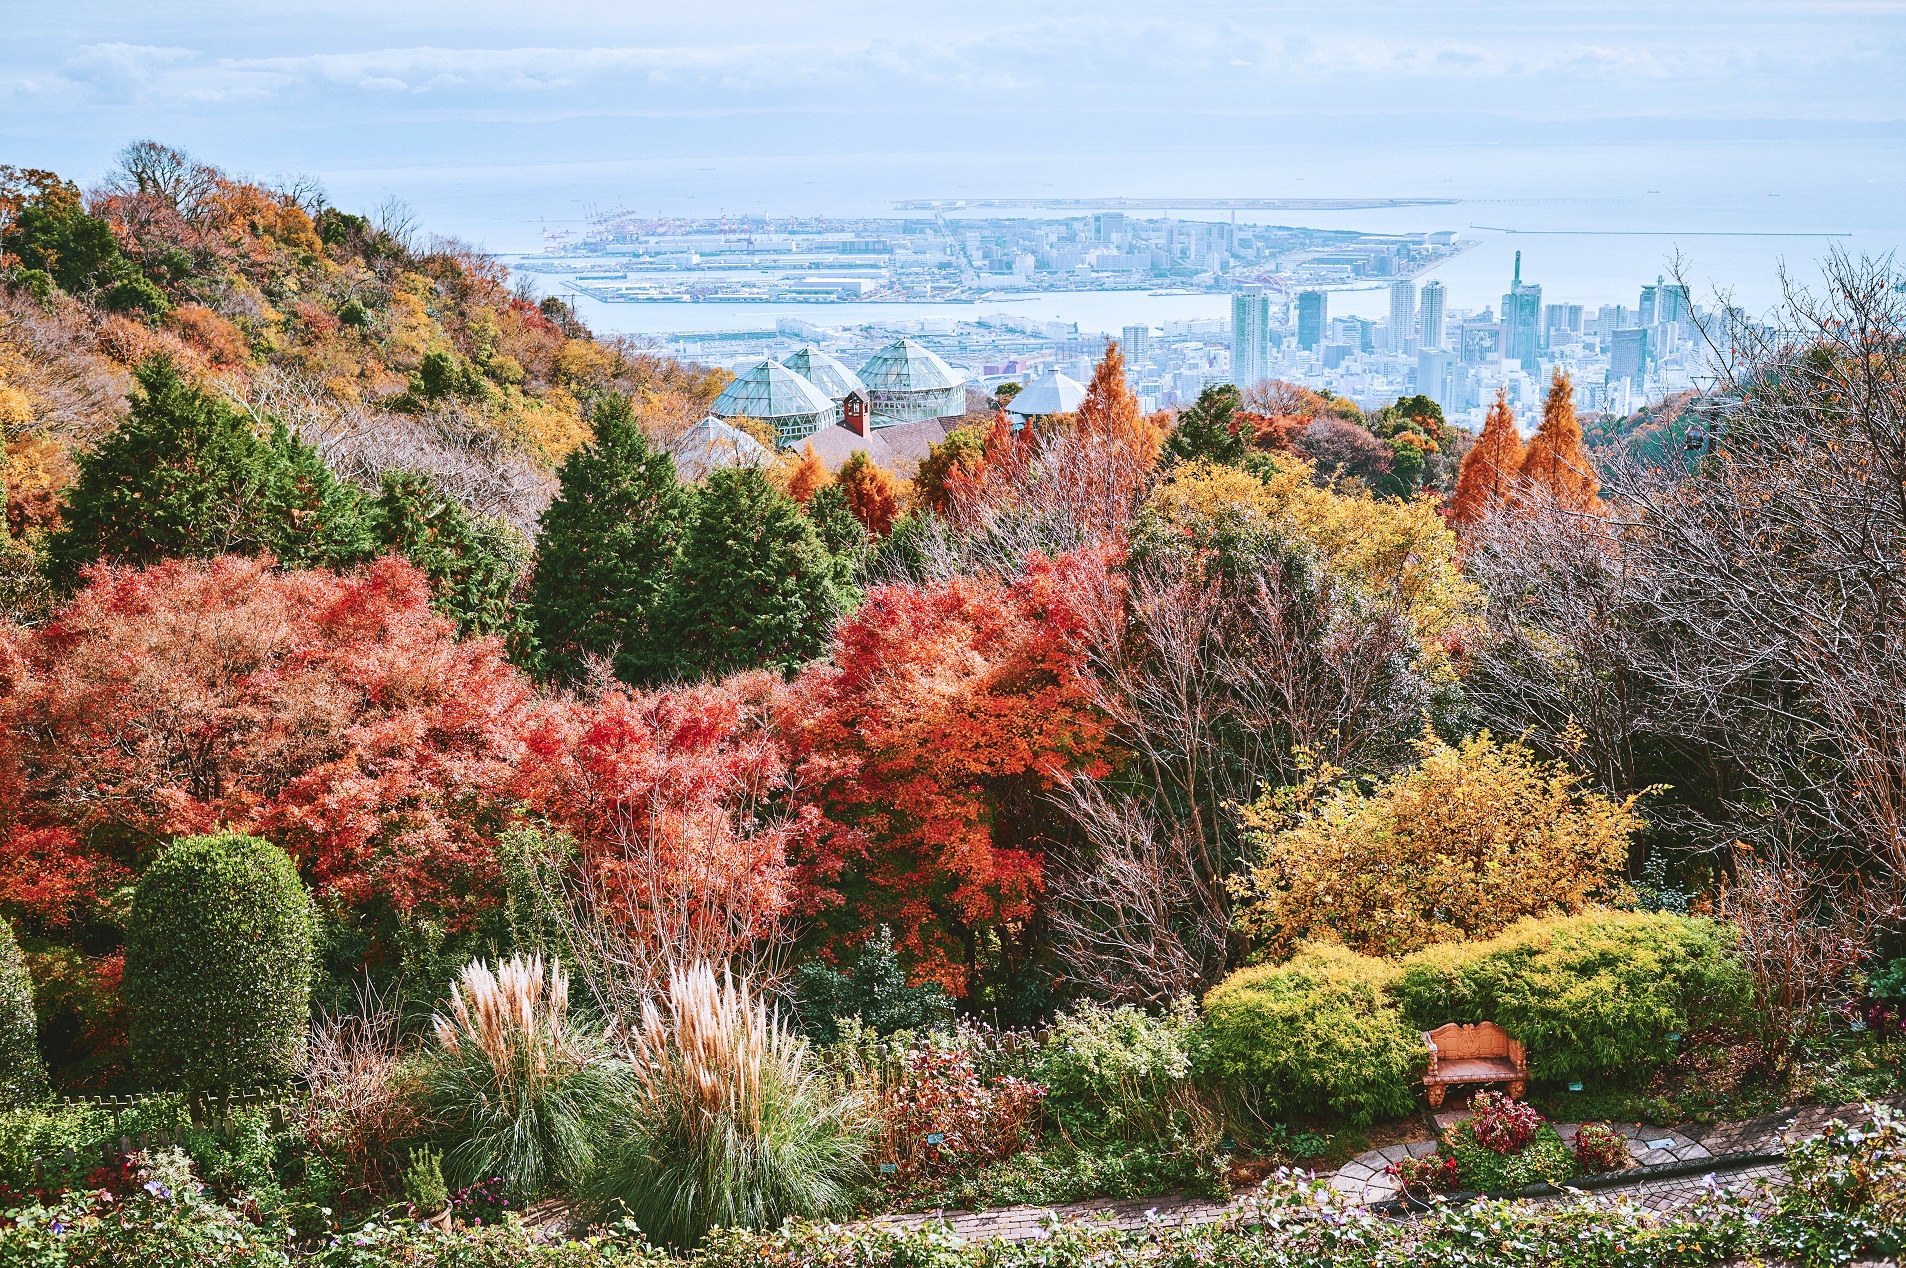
520	1090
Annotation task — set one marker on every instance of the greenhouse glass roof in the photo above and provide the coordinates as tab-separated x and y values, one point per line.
824	372
768	391
906	366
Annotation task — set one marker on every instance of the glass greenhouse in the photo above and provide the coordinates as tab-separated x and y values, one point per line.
824	372
777	395
908	383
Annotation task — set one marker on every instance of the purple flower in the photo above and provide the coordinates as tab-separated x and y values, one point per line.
59	1228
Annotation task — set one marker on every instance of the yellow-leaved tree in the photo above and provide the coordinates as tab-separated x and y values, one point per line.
1460	845
1386	549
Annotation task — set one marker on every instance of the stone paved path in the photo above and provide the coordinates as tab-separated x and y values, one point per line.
1363	1177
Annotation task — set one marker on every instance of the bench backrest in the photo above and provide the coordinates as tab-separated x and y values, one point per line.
1484	1039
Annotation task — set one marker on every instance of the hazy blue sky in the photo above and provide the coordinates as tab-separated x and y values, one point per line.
785	105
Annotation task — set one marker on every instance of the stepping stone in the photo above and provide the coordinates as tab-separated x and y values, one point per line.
1393	1153
1421	1148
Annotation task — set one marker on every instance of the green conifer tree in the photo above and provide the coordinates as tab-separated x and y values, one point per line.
755	585
472	561
607	552
185	476
1208	430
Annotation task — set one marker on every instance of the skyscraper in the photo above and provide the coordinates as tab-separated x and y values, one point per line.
1402	314
1250	336
1434	372
1429	333
1136	345
1628	357
1313	313
1522	319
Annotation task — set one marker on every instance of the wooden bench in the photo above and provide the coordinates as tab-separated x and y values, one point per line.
1482	1053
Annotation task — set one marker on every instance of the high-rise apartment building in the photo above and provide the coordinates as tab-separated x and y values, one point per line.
1429	332
1136	343
1250	336
1313	313
1628	356
1434	372
1402	315
1522	319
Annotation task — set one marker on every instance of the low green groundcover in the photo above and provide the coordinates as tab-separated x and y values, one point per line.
1846	1199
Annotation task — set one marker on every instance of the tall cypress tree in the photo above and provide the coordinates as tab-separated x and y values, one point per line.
186	476
471	561
606	553
1209	429
755	585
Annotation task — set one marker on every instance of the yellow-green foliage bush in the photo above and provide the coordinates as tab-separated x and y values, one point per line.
1461	845
1589	995
1317	1033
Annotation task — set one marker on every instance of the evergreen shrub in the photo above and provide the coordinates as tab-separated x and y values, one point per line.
22	1072
1590	996
1317	1033
218	965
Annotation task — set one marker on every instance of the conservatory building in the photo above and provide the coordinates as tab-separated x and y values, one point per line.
778	396
908	383
824	372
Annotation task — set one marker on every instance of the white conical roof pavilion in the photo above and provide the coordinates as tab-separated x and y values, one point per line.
1050	393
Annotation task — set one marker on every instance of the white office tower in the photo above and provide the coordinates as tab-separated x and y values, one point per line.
1402	314
1136	344
1429	332
1250	336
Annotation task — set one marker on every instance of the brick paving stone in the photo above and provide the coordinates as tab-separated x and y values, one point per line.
1364	1179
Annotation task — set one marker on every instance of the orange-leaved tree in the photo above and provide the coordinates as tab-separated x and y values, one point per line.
678	802
873	495
808	476
1111	411
931	741
1488	477
1557	465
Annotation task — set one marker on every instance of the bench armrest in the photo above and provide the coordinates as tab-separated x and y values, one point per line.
1431	1045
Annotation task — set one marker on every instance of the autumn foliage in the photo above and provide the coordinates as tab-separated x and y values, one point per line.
1490	469
947	710
337	716
1556	466
1460	846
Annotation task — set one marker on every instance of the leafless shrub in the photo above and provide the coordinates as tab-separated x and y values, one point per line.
1214	682
359	442
50	355
1804	933
1062	489
365	1094
1734	624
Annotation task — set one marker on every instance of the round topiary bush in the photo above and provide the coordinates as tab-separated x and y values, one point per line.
1592	996
1317	1033
218	965
22	1073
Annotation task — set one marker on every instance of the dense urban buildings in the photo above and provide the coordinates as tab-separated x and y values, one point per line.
1619	356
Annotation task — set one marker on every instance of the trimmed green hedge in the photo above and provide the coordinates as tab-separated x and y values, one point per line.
218	965
22	1072
1316	1033
1592	996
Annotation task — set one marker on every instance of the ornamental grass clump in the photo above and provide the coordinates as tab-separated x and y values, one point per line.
520	1091
730	1126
